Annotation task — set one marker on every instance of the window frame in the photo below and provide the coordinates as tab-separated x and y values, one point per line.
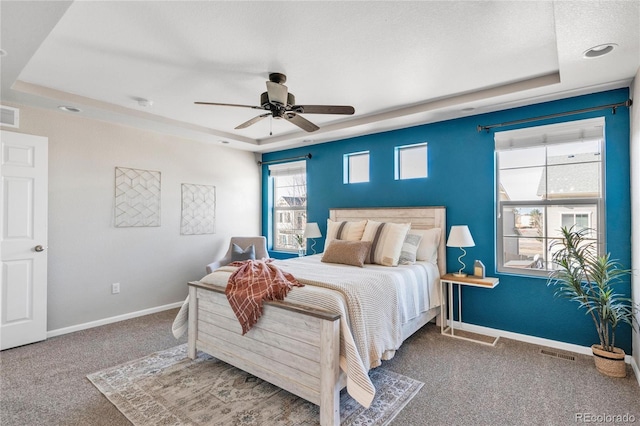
546	203
398	162
346	167
285	242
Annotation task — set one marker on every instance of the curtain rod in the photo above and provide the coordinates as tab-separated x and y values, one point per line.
613	107
282	160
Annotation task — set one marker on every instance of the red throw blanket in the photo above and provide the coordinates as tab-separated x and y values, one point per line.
253	282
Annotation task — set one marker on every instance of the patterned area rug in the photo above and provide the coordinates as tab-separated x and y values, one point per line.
167	388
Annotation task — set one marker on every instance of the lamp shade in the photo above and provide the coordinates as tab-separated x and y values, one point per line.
312	231
460	236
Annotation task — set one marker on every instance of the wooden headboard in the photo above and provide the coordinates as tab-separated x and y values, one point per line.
419	217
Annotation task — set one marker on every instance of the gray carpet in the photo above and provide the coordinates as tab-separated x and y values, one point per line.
465	383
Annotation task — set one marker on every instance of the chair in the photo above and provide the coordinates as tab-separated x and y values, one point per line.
260	244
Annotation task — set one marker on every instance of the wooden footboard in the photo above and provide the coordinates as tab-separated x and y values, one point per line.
293	348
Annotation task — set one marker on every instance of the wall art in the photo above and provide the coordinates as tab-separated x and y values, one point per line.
137	197
198	209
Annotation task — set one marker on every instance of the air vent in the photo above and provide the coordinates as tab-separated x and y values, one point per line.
555	354
9	117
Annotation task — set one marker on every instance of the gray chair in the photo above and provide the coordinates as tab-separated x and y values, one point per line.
260	244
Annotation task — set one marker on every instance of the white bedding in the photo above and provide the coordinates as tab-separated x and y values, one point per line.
374	302
417	285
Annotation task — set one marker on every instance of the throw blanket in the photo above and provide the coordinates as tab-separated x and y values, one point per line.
252	283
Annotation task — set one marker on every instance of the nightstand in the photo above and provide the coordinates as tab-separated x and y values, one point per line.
469	280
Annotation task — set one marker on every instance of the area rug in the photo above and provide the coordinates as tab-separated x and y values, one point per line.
167	388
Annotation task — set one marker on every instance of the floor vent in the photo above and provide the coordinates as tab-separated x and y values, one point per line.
9	116
555	354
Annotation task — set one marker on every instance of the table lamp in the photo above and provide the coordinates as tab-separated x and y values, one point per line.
460	236
311	230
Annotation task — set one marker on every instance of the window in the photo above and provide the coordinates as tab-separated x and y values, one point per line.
411	161
356	167
289	182
548	177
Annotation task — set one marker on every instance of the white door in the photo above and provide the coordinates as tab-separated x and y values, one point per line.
23	222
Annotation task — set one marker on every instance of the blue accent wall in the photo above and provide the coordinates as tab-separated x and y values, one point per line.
462	178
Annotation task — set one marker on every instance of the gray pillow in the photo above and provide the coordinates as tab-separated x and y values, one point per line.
238	254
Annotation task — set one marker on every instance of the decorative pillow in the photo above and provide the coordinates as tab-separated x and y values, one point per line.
386	241
350	231
238	254
409	249
428	249
346	252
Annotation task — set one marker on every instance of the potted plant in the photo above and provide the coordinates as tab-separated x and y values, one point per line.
583	276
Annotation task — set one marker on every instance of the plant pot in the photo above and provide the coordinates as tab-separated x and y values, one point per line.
609	363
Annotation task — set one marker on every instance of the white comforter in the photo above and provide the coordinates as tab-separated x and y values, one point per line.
373	302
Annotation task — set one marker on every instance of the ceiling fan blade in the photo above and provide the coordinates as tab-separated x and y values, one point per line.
323	109
277	93
301	122
252	121
233	105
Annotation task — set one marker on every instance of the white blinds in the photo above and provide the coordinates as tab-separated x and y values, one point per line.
580	130
288	169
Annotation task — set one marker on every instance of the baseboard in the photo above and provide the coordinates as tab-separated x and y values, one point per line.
636	369
105	321
570	347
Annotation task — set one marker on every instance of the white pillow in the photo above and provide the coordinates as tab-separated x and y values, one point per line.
386	241
349	231
428	249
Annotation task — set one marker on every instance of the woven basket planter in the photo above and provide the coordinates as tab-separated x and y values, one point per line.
609	363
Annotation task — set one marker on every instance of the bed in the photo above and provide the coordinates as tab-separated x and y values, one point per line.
311	343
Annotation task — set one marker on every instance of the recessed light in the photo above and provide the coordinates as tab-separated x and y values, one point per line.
468	109
599	50
69	108
224	142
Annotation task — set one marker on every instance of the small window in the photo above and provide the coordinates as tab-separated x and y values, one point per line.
356	167
411	161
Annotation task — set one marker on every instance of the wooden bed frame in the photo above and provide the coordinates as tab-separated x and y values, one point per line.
303	359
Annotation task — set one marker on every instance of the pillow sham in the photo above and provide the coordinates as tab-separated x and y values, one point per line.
428	249
350	231
346	252
386	241
409	250
238	254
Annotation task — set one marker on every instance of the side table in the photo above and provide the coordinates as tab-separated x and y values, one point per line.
469	280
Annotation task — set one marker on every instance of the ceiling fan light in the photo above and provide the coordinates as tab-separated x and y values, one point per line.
277	93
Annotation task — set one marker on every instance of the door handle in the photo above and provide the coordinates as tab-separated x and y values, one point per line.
38	248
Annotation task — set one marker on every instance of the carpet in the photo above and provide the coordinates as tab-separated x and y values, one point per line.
167	388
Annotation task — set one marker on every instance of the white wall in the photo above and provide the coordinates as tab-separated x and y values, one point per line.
635	207
153	264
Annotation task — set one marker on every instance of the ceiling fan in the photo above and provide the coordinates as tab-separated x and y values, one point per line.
282	104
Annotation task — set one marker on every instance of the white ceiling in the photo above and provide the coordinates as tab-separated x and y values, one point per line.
399	63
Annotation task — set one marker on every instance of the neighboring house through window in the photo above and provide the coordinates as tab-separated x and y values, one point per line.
548	177
289	182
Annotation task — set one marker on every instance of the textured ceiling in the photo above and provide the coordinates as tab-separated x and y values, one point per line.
398	63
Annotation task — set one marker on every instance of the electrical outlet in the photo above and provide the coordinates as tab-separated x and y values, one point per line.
115	288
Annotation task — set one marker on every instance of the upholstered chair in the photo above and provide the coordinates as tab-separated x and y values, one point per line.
259	244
